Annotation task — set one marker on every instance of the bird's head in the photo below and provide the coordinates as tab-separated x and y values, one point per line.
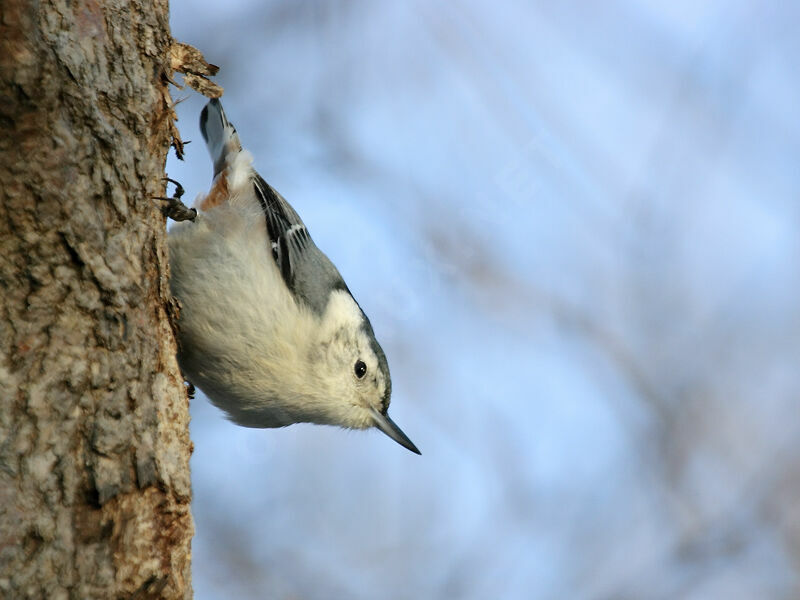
356	367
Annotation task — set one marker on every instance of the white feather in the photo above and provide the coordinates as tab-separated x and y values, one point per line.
260	359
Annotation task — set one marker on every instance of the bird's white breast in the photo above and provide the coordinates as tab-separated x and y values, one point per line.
244	338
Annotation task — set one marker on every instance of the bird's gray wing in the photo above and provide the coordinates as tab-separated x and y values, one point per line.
307	272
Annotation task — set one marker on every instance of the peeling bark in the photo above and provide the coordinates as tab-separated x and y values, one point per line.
94	444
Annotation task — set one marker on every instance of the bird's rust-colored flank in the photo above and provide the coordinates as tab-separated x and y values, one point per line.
218	193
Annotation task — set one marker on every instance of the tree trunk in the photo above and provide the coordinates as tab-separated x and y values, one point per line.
94	443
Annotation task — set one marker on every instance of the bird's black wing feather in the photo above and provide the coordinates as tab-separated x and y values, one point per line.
287	233
307	272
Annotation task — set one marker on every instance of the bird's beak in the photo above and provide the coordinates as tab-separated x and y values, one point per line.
387	426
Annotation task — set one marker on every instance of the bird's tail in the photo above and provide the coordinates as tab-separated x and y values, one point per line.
220	135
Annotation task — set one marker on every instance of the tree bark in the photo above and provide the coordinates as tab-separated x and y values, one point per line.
94	443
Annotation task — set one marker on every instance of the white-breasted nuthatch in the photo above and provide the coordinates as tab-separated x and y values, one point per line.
268	329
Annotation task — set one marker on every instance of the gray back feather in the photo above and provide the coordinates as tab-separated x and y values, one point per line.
305	269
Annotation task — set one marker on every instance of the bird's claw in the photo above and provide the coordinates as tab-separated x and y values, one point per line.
174	208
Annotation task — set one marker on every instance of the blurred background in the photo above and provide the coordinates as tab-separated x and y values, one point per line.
576	230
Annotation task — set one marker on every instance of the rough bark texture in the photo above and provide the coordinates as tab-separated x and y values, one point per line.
94	446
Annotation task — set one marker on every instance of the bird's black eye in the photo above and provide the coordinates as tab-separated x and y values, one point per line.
360	369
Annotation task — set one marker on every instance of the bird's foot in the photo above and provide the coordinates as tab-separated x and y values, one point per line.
173	207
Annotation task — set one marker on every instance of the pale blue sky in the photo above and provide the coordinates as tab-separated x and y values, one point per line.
575	229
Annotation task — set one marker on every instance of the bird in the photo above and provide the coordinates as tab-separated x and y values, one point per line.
267	328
